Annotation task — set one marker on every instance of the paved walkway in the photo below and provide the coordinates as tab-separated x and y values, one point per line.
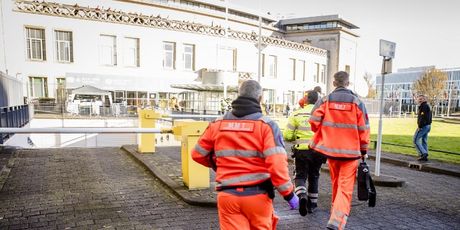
104	188
91	189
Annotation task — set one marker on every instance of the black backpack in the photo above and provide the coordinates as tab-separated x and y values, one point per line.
366	189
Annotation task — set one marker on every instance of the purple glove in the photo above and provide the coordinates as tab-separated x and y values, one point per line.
294	202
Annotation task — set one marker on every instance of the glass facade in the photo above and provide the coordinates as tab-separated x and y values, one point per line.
399	87
314	26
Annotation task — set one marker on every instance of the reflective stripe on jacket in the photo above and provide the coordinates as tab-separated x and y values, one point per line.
249	150
298	129
340	124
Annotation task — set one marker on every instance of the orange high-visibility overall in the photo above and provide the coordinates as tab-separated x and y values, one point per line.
341	127
248	151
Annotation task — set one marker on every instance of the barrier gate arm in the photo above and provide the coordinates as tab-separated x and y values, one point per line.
85	130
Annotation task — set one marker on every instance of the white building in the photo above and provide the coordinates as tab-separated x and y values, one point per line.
137	49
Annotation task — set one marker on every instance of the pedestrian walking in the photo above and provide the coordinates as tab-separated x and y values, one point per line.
424	127
288	110
223	106
247	151
267	108
341	128
317	89
307	161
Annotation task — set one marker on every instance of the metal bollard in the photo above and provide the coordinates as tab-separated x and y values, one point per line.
195	176
146	141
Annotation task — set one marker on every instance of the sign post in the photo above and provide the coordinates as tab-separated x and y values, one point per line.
387	51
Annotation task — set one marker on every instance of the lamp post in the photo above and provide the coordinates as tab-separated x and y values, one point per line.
226	37
449	99
259	49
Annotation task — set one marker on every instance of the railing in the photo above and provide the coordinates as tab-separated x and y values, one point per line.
13	117
116	110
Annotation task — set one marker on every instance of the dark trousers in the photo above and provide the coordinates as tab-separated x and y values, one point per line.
307	166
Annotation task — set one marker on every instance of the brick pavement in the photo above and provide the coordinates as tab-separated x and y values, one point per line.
104	188
397	208
91	189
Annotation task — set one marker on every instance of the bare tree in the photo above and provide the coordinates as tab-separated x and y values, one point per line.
371	91
431	84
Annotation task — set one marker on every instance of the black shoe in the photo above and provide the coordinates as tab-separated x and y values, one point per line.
423	158
303	204
311	206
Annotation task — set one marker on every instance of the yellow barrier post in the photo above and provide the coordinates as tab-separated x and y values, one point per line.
146	141
195	176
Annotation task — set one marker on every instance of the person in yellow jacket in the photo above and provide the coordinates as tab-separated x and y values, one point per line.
307	161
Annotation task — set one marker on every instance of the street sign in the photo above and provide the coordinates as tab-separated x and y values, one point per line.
387	49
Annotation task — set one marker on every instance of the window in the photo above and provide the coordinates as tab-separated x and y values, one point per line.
300	70
189	57
36	49
108	50
323	73
169	55
227	59
292	68
38	87
60	81
64	46
316	75
60	90
272	69
347	69
131	53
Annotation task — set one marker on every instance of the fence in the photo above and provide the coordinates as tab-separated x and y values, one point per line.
10	91
13	117
93	111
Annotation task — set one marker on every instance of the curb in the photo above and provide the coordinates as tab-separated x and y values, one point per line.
180	191
382	180
418	166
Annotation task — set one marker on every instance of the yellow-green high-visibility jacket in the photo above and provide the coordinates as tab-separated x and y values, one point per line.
298	129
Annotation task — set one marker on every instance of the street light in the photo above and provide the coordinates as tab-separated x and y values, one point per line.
259	45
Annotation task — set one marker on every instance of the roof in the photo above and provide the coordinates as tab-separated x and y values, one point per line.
207	87
325	18
89	90
239	8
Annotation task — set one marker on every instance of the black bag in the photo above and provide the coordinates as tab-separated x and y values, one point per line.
366	189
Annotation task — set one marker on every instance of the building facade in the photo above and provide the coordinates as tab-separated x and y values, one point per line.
398	88
138	49
328	32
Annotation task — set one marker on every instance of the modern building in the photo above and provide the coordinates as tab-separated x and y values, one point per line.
148	52
399	89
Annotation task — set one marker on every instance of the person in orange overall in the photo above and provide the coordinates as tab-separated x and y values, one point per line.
247	151
341	126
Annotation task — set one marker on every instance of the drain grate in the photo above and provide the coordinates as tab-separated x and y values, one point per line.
415	166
